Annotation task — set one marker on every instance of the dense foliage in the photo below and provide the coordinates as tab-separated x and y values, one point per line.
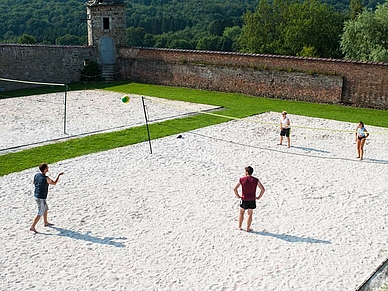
365	37
158	21
45	20
294	27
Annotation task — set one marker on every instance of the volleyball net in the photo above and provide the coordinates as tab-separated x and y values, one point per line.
311	136
45	84
21	109
255	120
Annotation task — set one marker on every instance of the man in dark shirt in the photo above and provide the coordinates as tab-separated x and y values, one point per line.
248	196
41	183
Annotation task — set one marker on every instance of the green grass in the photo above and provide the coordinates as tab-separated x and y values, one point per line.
235	105
384	287
240	105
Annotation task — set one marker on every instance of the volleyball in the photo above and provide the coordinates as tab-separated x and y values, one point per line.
125	99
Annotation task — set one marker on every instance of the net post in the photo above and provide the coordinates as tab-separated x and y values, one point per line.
64	112
146	120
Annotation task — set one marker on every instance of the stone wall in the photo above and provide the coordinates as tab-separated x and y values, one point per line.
40	63
308	79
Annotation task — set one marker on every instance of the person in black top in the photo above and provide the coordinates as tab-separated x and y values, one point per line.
41	183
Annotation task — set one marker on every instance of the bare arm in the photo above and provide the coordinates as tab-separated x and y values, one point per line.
235	189
262	190
51	182
287	125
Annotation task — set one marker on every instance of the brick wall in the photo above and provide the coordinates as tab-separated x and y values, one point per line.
310	79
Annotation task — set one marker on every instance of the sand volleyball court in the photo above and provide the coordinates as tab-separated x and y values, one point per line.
126	219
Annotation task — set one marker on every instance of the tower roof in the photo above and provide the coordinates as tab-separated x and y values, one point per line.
104	2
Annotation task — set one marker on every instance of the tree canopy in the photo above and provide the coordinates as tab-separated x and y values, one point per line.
289	27
365	37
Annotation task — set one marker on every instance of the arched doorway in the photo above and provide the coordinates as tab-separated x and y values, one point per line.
107	50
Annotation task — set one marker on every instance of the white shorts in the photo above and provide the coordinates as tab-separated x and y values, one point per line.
42	206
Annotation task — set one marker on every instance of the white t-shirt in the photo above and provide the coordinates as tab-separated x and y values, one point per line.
285	122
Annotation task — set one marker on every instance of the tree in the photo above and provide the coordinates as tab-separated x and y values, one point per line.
135	36
180	44
217	27
68	39
355	8
365	37
308	52
261	29
232	34
27	39
211	43
312	24
288	26
149	40
10	37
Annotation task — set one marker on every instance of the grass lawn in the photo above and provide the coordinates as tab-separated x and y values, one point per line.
235	105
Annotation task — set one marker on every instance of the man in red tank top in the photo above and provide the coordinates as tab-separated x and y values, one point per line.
248	196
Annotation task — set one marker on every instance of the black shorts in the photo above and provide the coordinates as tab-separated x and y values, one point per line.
285	132
361	137
248	204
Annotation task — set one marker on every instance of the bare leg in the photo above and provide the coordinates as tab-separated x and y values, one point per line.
241	217
358	148
36	220
288	141
362	142
281	140
46	223
249	221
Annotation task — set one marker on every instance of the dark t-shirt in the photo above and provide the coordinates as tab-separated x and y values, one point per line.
249	185
41	186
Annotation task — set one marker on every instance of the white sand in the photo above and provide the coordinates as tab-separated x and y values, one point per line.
36	120
126	219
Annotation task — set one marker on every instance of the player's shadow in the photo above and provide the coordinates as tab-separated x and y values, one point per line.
375	161
87	237
310	149
292	238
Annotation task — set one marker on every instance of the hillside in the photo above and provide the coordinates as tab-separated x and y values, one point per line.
46	20
160	21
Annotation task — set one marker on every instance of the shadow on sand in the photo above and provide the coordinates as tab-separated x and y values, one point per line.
310	149
292	238
87	237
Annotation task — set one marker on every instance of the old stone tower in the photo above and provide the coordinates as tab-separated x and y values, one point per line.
106	31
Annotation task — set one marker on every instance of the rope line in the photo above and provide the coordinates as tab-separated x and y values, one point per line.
258	121
30	82
274	149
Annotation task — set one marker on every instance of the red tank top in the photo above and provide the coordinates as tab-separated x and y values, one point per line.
249	185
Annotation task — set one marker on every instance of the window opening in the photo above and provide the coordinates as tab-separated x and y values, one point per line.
105	22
